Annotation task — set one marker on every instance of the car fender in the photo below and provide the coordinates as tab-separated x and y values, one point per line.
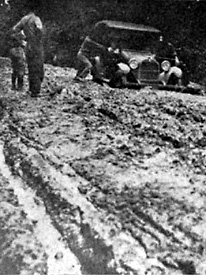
165	76
123	68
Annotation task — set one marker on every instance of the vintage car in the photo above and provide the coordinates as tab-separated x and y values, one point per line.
137	58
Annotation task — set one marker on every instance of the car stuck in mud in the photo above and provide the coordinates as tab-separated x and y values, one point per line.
133	56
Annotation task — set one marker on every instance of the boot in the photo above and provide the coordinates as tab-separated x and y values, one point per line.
35	87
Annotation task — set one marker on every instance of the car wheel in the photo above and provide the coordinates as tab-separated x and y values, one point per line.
117	82
173	80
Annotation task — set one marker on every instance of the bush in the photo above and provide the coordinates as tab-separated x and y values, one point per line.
4	28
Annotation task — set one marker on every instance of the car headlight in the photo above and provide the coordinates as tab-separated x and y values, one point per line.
133	63
165	66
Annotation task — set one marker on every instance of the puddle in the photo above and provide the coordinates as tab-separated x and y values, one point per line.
60	258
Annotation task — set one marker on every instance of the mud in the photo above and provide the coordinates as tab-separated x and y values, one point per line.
121	173
57	255
21	252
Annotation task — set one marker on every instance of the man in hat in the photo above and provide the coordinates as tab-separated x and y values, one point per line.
33	29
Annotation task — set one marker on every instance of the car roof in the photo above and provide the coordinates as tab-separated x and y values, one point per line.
126	26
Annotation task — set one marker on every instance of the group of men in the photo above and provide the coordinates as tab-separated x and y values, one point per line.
27	48
93	57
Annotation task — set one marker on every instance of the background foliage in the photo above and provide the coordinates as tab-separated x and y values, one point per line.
68	21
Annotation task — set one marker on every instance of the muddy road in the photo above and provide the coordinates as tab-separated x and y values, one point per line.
105	181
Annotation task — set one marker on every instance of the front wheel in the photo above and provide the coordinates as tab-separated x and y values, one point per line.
174	80
117	82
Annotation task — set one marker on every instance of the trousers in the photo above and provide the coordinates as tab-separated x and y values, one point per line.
35	60
84	66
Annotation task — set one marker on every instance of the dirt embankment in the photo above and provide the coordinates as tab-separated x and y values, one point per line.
121	172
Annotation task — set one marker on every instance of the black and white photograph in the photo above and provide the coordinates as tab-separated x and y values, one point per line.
102	137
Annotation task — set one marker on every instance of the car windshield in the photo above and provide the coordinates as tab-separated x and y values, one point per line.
143	41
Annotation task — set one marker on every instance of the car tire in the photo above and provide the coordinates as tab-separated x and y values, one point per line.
173	80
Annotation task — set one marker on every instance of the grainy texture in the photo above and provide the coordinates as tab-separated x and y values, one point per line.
121	172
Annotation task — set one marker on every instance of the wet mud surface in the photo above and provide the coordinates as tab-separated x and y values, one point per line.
121	173
20	250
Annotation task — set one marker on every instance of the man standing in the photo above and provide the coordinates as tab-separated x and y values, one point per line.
172	74
33	29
